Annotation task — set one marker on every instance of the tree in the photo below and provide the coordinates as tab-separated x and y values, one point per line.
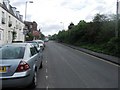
29	37
71	25
100	18
42	36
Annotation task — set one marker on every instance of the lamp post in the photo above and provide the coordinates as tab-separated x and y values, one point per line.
117	19
26	7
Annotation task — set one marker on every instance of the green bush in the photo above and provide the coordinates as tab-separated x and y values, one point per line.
114	46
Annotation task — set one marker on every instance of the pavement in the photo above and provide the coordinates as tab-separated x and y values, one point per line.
110	58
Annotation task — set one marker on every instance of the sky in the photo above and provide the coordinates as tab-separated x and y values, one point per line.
53	16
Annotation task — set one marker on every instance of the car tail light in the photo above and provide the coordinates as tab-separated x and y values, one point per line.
23	66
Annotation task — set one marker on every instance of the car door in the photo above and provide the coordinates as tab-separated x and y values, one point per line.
35	57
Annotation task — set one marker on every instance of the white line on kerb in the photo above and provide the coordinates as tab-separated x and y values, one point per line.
100	59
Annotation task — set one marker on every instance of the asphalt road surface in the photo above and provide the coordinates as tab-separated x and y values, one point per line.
64	67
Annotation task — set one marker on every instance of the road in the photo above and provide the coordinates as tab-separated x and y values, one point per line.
64	67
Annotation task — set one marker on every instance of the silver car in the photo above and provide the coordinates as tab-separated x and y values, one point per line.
36	44
41	43
19	63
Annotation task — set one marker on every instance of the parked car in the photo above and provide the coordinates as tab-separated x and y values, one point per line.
17	41
0	46
36	44
46	39
19	64
41	43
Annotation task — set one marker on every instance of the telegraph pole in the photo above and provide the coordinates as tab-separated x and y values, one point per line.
117	19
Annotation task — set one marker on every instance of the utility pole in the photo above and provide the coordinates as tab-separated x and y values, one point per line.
117	19
26	8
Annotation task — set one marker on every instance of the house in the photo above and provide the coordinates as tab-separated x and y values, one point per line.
11	23
31	27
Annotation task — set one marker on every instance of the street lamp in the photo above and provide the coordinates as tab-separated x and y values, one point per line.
26	7
117	19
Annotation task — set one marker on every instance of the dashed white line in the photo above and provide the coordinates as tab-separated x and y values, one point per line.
47	88
46	77
46	70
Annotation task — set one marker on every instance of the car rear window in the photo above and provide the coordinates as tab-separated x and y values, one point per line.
10	52
40	42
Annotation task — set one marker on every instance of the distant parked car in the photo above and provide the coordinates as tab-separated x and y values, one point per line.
46	39
41	43
0	46
19	64
36	44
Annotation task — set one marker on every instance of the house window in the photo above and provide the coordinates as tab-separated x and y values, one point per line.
3	14
3	17
16	24
9	18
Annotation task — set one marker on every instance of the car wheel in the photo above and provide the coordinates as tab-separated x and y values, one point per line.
41	65
34	81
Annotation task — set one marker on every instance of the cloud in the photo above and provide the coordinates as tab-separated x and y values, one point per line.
18	3
28	17
49	13
49	28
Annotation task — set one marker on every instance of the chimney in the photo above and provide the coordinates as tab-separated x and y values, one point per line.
21	17
7	2
14	10
18	14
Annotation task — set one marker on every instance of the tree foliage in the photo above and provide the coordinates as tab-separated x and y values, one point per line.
99	33
71	25
29	37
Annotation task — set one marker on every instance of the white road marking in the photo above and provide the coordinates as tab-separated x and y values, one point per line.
47	88
99	58
46	77
46	70
46	61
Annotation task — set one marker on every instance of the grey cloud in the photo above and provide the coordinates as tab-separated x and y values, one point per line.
78	6
65	3
89	17
100	8
101	1
28	17
18	3
52	27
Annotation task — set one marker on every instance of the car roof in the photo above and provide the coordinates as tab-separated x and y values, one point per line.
30	42
39	41
17	44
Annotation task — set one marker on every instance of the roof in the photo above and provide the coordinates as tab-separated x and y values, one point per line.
17	44
10	11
